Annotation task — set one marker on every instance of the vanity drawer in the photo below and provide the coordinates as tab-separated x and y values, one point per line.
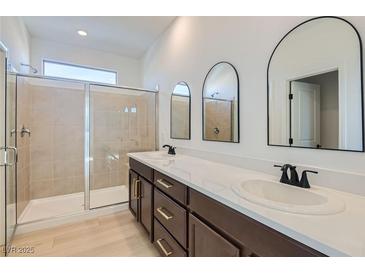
249	233
172	216
141	169
165	244
171	187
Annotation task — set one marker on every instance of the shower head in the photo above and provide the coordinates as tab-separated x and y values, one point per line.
33	69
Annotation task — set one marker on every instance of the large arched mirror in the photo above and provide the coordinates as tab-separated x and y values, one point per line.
315	87
180	112
221	104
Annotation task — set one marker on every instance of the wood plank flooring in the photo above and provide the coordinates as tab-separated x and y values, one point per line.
111	235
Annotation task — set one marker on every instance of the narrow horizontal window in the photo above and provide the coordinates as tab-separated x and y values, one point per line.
63	70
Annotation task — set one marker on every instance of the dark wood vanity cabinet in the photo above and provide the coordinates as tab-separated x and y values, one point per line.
250	236
205	242
141	195
184	222
133	193
146	193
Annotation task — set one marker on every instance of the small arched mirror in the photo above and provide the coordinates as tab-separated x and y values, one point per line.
180	112
221	104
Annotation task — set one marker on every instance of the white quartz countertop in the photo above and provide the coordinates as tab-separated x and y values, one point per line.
340	234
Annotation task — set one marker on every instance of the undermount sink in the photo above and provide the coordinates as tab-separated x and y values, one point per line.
288	198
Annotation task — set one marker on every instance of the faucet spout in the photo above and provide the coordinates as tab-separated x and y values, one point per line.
171	149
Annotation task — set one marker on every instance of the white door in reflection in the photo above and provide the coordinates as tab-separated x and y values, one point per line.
305	108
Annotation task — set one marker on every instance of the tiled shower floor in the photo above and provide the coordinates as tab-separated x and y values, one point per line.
56	206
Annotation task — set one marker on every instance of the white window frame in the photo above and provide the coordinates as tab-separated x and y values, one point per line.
44	61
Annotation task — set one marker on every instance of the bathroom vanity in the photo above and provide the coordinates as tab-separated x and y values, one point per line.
182	220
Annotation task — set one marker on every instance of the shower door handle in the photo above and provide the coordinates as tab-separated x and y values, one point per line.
6	161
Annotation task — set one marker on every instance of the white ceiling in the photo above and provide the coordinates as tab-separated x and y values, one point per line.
124	35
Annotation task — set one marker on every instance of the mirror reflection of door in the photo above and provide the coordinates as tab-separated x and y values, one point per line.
315	115
305	119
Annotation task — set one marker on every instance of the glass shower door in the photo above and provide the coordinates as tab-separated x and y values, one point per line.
8	155
121	120
50	142
11	167
2	151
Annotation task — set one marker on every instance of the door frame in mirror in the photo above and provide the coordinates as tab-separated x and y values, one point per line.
189	138
238	103
361	86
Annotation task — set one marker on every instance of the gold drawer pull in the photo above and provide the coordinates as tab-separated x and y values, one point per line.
135	188
163	214
162	182
167	253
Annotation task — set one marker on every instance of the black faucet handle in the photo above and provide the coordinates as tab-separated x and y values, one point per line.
281	167
284	176
304	180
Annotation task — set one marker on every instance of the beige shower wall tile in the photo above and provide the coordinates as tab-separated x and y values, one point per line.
69	98
41	189
79	183
69	116
44	117
41	133
42	99
68	168
68	151
67	134
41	171
23	145
64	186
58	141
41	153
23	157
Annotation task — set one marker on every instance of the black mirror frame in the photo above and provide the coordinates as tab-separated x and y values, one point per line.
189	138
361	79
238	103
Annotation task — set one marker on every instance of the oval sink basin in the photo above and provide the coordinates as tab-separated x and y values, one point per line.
157	156
288	198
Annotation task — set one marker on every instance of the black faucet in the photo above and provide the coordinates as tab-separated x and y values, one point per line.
171	149
294	178
304	181
284	176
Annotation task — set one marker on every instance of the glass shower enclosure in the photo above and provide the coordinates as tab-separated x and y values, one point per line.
72	139
121	120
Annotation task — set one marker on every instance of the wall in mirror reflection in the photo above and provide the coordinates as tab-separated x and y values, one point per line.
180	112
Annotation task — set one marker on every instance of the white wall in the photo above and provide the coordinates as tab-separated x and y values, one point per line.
129	69
15	37
188	49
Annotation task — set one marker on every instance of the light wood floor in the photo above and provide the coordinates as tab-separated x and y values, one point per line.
112	235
